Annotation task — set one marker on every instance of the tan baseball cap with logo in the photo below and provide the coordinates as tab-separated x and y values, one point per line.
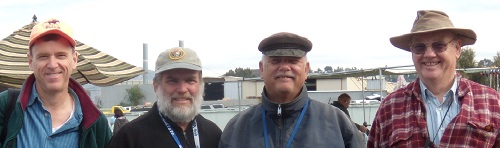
52	26
177	58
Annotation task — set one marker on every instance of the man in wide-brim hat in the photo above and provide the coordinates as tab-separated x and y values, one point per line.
439	108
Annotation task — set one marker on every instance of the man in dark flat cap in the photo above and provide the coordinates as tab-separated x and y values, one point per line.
287	117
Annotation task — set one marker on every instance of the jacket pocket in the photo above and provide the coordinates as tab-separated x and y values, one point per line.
481	134
399	136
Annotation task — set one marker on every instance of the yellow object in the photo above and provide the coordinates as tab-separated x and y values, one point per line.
111	111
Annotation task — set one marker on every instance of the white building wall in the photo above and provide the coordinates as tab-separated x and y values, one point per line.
252	89
231	90
375	84
330	84
354	84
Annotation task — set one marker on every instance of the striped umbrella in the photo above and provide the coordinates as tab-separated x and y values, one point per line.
94	66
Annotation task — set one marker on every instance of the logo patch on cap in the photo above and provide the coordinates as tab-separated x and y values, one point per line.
52	24
176	54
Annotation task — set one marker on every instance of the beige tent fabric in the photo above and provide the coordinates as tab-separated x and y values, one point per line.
94	66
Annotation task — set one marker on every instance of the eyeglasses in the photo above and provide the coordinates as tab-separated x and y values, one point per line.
438	47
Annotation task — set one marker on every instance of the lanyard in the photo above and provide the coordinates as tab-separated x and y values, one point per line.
289	143
195	133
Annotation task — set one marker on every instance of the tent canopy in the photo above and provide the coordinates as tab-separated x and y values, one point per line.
93	67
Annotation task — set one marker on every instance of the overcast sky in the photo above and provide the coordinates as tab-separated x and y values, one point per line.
226	33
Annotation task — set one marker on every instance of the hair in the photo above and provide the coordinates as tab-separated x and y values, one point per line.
118	113
344	97
264	58
50	37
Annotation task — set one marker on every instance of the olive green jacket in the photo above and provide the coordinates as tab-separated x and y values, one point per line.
94	128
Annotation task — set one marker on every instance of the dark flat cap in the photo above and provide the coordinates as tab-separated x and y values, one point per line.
285	44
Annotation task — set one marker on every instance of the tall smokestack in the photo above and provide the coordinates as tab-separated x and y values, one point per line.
181	43
145	62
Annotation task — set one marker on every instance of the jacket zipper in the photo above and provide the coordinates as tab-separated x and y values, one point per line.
280	126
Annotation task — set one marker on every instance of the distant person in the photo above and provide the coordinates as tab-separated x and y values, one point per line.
174	120
119	121
112	120
287	117
53	110
343	102
439	108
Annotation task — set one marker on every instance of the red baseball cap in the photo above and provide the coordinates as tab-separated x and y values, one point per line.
52	26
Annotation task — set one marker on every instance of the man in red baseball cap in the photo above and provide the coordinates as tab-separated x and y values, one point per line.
53	110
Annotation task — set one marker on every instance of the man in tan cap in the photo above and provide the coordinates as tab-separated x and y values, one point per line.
53	110
174	120
439	108
287	117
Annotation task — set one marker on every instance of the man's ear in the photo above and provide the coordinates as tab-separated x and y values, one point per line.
308	68
75	59
30	61
458	46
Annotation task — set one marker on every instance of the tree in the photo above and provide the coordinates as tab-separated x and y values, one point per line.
466	59
485	63
328	69
318	71
230	73
496	60
134	95
240	72
338	69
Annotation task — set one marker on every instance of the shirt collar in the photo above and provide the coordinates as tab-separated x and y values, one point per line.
34	96
424	91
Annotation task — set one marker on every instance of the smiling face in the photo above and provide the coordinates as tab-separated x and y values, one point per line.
52	61
432	66
283	76
179	93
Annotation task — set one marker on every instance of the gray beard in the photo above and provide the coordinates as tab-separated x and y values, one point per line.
182	114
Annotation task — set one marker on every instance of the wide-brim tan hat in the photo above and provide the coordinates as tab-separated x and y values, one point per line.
430	21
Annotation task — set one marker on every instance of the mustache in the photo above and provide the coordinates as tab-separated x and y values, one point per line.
180	96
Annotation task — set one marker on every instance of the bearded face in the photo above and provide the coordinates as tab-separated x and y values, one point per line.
180	112
180	96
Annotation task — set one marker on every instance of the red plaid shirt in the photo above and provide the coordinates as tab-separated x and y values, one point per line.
400	120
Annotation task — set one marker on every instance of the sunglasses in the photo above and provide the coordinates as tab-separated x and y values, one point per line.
437	47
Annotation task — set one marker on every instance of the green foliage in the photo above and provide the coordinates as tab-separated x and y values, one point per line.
485	63
328	69
338	69
496	60
466	59
240	72
134	95
319	71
